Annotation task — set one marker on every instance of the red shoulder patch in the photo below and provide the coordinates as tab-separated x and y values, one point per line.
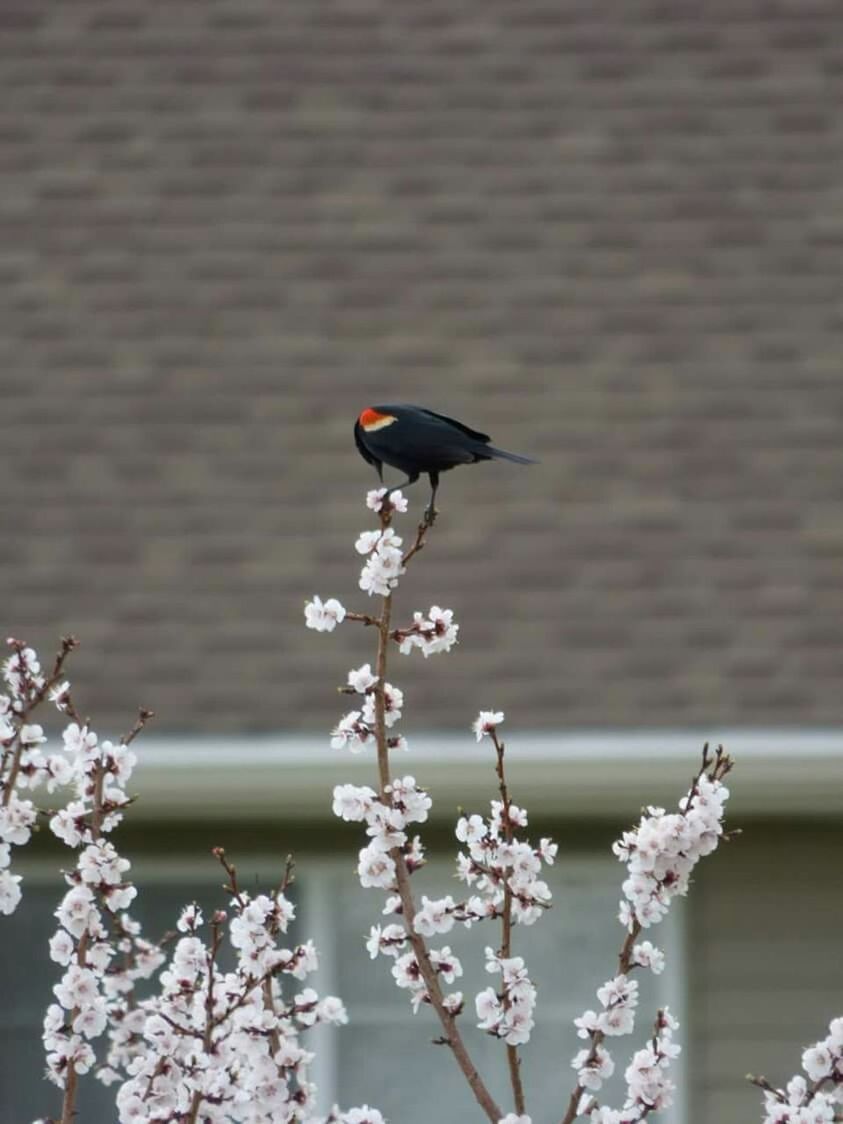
372	419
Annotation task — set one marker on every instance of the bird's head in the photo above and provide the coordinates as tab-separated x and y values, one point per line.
371	419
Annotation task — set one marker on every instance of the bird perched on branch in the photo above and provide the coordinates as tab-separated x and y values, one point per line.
415	440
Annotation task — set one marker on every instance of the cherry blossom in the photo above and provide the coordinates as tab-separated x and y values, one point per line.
323	617
431	634
485	722
397	500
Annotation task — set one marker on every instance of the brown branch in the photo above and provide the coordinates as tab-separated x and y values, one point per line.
451	1033
231	870
364	618
143	717
512	1058
421	534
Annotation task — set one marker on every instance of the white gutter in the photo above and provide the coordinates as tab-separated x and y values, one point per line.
586	774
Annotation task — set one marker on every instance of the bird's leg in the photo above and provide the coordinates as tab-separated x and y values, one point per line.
411	479
430	511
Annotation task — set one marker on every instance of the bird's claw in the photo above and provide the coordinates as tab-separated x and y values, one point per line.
430	514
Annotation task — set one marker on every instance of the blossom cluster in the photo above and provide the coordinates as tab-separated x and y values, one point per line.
23	766
496	864
383	549
92	907
649	1087
228	1042
817	1099
384	560
408	976
660	855
431	633
386	822
662	851
357	728
508	1014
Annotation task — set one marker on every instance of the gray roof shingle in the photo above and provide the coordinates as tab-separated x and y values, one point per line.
609	236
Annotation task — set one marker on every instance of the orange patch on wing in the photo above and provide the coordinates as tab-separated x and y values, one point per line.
370	419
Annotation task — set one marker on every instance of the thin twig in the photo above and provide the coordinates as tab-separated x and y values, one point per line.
143	717
364	618
421	534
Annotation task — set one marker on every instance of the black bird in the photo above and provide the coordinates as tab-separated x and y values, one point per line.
415	440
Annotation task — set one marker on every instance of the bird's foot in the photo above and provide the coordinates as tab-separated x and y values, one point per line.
430	513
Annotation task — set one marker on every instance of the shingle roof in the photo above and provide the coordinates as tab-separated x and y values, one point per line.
609	235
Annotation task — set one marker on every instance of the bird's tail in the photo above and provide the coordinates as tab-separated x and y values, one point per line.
502	454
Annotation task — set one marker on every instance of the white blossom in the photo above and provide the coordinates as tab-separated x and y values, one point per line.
61	947
351	732
10	891
364	1115
376	868
361	679
437	632
485	722
190	919
434	916
593	1066
16	820
397	499
353	802
646	955
77	911
323	617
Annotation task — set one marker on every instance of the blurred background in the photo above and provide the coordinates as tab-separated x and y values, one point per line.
608	235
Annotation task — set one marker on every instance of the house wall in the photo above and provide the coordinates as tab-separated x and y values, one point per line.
765	971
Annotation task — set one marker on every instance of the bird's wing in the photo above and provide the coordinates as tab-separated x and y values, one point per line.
473	433
364	452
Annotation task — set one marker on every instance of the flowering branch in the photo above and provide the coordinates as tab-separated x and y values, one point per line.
426	968
390	858
513	1060
503	869
22	765
660	855
22	672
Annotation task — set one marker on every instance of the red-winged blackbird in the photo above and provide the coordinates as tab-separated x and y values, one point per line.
416	440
